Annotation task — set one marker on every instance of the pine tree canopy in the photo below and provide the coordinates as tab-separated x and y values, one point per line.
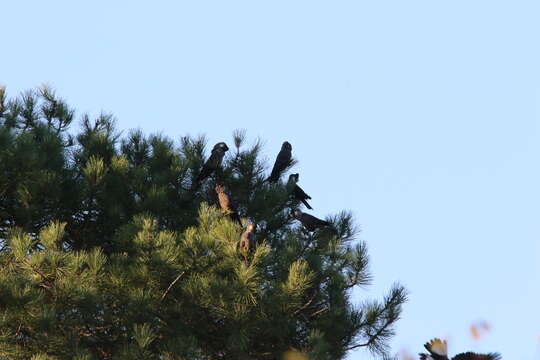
111	249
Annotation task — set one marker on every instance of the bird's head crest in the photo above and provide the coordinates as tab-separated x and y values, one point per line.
286	145
219	188
294	177
222	146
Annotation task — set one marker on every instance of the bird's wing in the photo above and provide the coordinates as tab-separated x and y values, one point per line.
474	356
216	157
320	222
284	156
226	201
282	161
210	164
244	240
425	357
316	220
437	347
307	218
307	221
312	223
300	193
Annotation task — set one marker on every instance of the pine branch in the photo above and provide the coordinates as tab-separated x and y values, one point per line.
104	277
172	284
373	337
324	309
306	305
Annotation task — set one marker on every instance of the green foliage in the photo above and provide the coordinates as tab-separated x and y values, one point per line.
108	250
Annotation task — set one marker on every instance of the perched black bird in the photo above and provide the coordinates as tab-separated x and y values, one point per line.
247	243
310	222
283	160
297	191
214	161
438	350
227	203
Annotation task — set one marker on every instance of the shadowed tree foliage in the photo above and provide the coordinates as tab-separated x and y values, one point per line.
110	250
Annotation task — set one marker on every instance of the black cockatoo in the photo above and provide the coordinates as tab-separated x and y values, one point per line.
247	243
438	350
297	191
310	222
283	160
227	203
214	161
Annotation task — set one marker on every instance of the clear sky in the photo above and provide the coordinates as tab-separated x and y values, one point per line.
422	117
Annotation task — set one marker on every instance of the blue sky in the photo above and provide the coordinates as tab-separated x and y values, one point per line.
422	117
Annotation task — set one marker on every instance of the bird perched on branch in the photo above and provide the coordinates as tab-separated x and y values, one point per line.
247	244
297	191
227	203
310	222
438	350
214	161
283	160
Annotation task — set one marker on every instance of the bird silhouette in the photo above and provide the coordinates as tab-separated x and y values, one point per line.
297	191
310	222
247	243
227	203
283	160
214	161
438	350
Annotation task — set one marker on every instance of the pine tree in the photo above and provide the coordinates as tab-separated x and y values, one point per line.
109	249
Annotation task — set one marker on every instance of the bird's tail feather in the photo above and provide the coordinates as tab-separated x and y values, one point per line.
307	204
